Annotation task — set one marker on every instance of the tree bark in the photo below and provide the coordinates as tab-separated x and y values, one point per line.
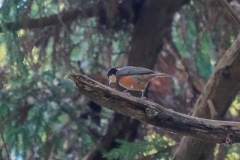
213	103
154	114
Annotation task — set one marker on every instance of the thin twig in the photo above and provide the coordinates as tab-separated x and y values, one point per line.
230	10
3	4
5	146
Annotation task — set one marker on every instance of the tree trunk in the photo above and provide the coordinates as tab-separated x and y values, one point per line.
155	16
220	91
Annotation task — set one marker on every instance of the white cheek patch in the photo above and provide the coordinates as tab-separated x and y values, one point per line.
112	79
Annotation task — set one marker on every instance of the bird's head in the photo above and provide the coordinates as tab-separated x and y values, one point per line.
112	75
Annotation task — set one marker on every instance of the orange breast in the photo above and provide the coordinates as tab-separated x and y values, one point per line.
126	82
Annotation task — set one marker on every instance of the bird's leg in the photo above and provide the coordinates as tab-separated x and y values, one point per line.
143	95
126	91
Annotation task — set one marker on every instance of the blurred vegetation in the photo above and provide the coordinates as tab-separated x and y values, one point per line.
150	145
43	116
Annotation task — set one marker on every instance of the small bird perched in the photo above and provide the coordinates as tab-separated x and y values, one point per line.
133	78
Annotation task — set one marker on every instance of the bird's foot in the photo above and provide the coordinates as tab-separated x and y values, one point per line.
143	97
126	91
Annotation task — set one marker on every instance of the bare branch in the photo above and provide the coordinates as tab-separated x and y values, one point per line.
97	10
152	113
5	146
230	10
64	16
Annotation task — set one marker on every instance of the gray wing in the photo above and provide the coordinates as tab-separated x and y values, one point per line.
129	70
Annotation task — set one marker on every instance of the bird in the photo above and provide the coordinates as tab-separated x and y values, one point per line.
133	78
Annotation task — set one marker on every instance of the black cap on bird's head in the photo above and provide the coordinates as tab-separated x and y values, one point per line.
111	75
112	71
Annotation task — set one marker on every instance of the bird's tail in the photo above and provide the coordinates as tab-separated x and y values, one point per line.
159	74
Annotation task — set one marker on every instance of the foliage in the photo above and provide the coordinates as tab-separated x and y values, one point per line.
40	107
153	144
